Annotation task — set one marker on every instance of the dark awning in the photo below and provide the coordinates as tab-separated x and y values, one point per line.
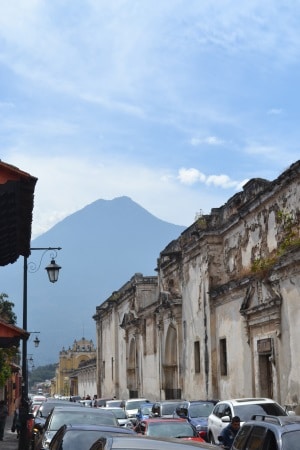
16	206
10	335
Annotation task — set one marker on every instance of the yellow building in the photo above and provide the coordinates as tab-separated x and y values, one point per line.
66	383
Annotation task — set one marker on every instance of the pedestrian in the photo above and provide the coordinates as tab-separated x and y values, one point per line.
94	403
3	416
16	420
228	433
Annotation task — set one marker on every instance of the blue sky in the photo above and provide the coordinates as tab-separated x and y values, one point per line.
174	103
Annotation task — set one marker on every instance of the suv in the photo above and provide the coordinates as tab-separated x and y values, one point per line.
245	408
269	432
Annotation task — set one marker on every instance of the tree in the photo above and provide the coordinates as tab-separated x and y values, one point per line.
6	310
6	354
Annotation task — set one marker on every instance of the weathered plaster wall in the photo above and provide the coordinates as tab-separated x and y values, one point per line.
207	291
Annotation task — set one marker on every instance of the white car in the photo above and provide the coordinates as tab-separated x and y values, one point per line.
132	405
121	416
245	408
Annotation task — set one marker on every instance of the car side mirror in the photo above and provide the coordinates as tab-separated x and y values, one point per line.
225	419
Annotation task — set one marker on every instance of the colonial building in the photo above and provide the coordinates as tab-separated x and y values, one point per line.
66	379
86	378
221	318
126	339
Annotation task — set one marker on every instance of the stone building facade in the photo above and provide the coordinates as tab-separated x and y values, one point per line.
70	360
86	378
221	318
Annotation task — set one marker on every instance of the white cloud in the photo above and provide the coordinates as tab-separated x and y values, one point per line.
210	140
275	111
190	176
193	176
66	185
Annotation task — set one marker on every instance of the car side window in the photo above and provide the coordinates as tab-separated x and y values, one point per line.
257	438
224	410
227	411
270	441
216	411
241	438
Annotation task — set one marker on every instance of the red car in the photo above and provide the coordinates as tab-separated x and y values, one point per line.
168	428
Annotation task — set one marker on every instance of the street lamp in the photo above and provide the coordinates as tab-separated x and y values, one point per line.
36	342
53	271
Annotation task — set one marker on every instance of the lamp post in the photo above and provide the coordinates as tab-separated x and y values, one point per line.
53	271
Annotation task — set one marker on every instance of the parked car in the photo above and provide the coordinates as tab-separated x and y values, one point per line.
168	428
121	417
47	406
101	402
131	406
61	415
148	443
43	412
38	399
144	411
245	408
115	403
165	408
197	412
86	402
75	398
81	437
269	432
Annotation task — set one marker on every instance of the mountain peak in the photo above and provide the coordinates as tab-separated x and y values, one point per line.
103	245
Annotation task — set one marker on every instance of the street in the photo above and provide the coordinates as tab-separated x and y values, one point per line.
10	441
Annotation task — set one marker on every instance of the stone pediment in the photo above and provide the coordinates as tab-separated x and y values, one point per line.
262	305
260	294
129	319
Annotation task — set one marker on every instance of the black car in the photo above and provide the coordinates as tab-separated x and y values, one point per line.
42	414
47	406
61	415
81	437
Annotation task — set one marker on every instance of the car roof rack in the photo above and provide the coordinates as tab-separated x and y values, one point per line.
267	418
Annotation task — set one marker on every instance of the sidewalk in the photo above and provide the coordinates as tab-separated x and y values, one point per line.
10	441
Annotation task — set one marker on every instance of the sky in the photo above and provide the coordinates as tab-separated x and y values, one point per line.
175	103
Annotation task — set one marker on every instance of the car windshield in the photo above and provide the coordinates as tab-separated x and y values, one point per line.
201	409
119	413
146	409
170	429
245	412
291	440
114	403
134	404
67	417
168	408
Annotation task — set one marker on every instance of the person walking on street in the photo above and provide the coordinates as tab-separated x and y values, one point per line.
228	433
3	417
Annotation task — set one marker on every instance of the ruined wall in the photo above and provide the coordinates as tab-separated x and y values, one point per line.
228	291
255	303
